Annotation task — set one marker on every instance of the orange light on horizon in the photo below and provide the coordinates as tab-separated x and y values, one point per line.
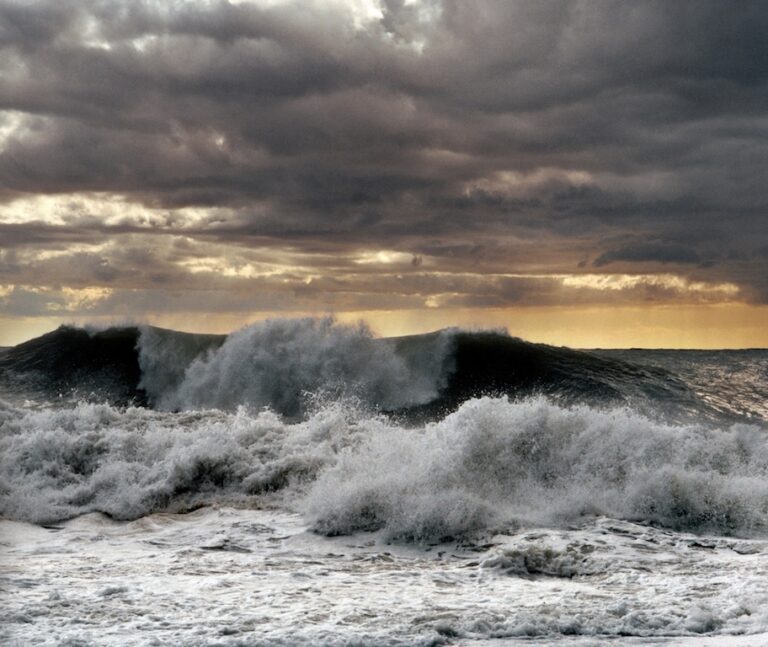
693	326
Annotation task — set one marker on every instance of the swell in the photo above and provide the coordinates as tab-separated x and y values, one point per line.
76	363
493	363
286	364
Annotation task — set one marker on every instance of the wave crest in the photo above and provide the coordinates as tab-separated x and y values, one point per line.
493	464
282	363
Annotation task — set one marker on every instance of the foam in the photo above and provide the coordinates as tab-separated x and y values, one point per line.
493	464
235	577
60	463
498	464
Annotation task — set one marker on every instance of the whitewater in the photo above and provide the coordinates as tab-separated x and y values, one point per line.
302	482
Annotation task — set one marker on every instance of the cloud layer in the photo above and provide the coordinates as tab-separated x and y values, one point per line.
291	156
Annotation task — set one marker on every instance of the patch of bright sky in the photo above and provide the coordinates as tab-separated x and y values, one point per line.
361	12
602	282
427	13
92	35
437	300
383	257
142	43
222	267
629	281
105	208
12	124
84	298
61	299
660	185
71	250
509	181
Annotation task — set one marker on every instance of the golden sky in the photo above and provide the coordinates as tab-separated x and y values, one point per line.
714	326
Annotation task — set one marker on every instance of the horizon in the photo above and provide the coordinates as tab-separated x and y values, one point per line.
586	174
376	333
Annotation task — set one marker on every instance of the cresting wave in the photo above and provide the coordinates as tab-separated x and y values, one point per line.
289	364
421	437
493	464
286	363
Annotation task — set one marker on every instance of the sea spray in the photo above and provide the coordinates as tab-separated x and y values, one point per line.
499	463
164	357
491	464
280	363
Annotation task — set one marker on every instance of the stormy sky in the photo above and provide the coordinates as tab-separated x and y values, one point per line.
208	163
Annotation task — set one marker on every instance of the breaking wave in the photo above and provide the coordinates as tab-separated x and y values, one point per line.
420	438
493	464
288	365
285	363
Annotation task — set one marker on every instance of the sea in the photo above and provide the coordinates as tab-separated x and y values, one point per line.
304	482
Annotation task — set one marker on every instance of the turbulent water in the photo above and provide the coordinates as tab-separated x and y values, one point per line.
302	482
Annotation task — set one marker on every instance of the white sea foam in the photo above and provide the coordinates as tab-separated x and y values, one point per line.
280	363
59	463
498	463
235	578
492	464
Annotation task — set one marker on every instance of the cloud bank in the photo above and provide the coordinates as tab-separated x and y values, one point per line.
304	155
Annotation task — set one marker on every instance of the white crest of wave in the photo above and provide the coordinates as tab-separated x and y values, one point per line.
491	464
277	363
60	463
495	463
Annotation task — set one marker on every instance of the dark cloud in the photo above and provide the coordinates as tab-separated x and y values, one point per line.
649	252
491	137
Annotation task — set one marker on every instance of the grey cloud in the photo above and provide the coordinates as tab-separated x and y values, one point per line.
144	274
649	252
422	132
24	302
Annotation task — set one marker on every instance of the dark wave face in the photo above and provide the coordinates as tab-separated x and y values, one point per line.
730	383
75	363
287	365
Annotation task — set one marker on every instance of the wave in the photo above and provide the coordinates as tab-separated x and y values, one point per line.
283	363
492	464
288	364
495	463
76	363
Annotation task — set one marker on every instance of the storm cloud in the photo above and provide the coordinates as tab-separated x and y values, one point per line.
381	154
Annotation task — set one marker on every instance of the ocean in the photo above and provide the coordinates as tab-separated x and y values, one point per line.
302	482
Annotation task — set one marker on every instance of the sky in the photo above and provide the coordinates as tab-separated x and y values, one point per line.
588	173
